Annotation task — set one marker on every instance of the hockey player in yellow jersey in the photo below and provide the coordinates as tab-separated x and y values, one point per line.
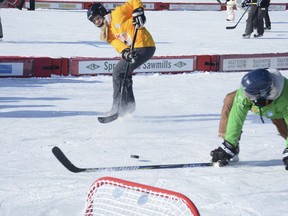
117	28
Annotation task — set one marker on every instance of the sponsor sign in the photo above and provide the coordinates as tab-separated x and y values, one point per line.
165	65
239	64
112	5
275	7
195	7
11	69
60	5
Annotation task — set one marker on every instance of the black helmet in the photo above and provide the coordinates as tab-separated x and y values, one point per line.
96	9
257	84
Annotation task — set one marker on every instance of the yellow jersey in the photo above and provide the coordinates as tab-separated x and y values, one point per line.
121	28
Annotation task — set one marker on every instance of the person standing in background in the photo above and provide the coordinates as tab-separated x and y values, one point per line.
31	6
267	20
258	10
230	11
1	30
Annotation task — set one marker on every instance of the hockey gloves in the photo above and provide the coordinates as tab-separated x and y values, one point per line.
246	3
224	153
285	158
139	18
129	56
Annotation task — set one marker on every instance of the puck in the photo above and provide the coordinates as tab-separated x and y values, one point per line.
134	156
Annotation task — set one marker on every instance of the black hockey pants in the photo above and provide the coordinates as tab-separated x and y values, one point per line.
255	13
128	100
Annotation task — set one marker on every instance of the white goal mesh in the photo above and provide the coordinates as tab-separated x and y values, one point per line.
114	197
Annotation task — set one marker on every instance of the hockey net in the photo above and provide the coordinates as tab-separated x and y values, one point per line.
115	197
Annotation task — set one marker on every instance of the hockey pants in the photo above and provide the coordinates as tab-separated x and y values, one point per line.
258	14
128	100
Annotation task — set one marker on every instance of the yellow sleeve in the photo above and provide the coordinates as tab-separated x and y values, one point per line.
134	4
121	29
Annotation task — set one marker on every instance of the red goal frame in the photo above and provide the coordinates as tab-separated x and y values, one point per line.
141	188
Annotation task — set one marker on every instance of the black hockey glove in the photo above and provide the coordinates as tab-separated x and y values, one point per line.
129	56
224	153
262	4
245	3
139	18
285	158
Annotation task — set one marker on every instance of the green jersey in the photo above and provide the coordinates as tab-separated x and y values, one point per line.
277	109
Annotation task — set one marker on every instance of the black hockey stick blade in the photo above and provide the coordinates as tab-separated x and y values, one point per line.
108	119
71	167
231	27
65	161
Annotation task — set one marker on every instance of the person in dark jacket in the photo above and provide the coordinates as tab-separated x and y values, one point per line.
267	21
1	30
258	10
21	4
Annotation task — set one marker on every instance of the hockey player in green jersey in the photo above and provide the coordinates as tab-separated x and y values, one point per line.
263	92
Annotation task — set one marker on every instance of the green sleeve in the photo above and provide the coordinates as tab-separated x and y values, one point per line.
286	120
279	107
286	143
283	104
237	116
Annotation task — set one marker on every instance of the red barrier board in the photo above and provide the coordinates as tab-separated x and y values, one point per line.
208	63
16	66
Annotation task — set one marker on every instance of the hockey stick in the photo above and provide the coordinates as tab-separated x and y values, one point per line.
108	119
71	167
219	1
233	27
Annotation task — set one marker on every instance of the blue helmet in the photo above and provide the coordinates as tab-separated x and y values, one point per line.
96	9
257	84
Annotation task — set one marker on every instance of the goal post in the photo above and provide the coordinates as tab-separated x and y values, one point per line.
115	197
